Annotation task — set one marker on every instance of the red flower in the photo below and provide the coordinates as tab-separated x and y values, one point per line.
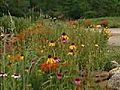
104	22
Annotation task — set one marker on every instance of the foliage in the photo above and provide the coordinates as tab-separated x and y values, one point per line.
17	24
61	8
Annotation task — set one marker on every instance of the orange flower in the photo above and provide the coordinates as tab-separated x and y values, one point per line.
46	67
17	57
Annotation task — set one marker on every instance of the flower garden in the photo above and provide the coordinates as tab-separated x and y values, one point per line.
53	55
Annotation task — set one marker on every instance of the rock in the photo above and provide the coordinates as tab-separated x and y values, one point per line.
114	82
115	70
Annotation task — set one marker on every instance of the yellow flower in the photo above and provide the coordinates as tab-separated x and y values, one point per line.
96	45
71	53
17	57
82	45
52	44
8	56
27	69
72	47
21	57
42	51
50	60
65	37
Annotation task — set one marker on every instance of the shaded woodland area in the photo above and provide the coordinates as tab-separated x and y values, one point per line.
61	8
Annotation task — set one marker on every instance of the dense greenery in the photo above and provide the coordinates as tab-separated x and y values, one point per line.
61	8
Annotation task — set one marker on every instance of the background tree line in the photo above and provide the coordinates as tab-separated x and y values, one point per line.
61	8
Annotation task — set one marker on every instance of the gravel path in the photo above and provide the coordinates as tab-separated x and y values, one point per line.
115	39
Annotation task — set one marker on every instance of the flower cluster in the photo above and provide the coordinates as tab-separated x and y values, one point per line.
64	38
104	23
15	75
17	57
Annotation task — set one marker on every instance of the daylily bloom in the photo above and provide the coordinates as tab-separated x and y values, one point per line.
72	47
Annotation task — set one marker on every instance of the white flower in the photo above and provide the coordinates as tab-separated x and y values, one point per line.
82	45
16	76
3	75
98	26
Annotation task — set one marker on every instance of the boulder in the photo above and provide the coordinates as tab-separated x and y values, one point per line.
114	82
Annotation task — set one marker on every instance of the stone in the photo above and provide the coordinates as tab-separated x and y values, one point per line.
114	71
114	82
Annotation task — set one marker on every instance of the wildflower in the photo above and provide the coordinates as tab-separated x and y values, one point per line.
21	57
59	76
33	61
82	45
52	44
72	47
96	45
104	23
87	23
98	26
2	35
3	74
27	69
50	59
71	52
42	51
106	33
17	57
16	76
56	59
9	64
64	35
64	40
77	81
46	67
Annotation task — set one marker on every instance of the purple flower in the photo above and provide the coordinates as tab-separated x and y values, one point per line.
77	81
57	59
59	76
64	40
